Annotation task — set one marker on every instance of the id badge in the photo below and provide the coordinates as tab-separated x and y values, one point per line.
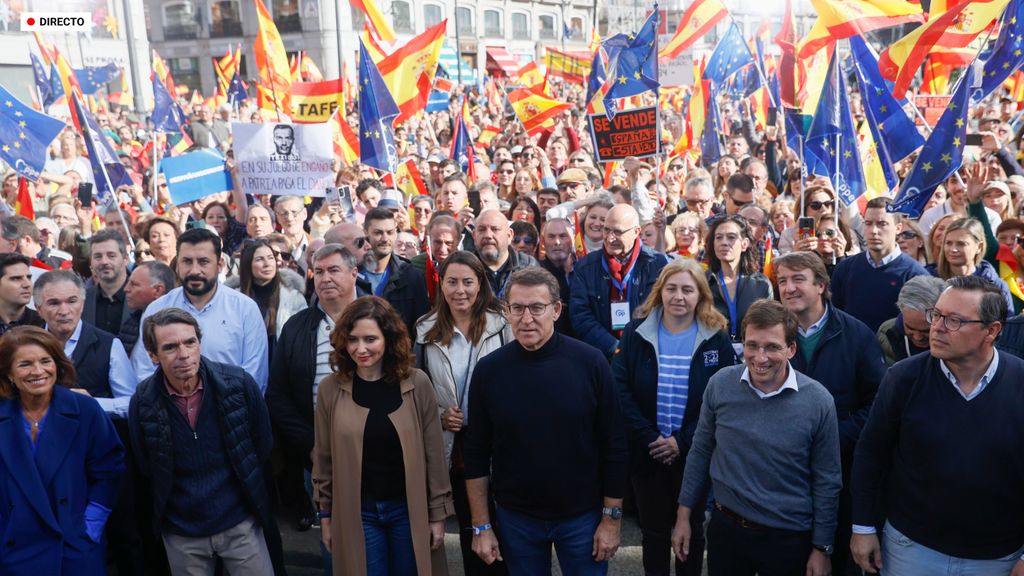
620	315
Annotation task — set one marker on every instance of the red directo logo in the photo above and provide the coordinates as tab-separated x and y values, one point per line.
56	21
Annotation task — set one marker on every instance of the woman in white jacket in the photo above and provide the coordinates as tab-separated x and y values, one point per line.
260	278
465	325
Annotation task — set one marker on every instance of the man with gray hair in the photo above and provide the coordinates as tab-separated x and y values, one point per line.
907	334
699	194
149	281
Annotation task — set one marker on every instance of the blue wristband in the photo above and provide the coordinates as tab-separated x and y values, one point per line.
477	530
323	514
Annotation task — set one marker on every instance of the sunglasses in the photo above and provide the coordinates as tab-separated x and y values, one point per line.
907	235
284	256
825	234
815	205
578	160
361	241
524	239
676	167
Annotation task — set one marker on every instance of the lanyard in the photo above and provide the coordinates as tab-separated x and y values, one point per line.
383	282
622	287
730	302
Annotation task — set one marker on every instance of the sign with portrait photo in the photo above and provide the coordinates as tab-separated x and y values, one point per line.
283	159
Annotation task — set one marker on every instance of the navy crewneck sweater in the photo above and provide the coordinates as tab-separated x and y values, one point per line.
955	467
549	424
869	294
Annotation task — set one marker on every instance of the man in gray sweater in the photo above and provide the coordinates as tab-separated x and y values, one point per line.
769	437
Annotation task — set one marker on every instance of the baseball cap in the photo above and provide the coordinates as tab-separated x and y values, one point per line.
572	175
390	199
997	185
435	158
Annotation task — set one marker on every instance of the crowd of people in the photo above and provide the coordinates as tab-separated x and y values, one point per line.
775	382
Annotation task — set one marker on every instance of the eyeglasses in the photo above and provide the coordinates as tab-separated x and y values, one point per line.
284	256
618	233
687	230
827	233
749	349
578	160
360	242
698	201
524	239
141	253
815	205
907	235
290	213
565	185
517	310
951	323
507	171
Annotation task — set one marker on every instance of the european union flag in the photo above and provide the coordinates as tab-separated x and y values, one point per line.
1008	51
110	173
24	135
462	145
632	63
894	132
167	114
92	78
236	89
942	154
42	81
731	54
598	75
710	138
56	87
377	109
832	139
566	31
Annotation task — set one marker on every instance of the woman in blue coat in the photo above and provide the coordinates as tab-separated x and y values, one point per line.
677	342
60	463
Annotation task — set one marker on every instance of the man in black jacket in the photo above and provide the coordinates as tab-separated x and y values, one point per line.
391	277
201	434
491	239
104	298
302	359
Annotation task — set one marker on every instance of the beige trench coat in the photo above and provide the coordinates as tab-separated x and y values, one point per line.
337	462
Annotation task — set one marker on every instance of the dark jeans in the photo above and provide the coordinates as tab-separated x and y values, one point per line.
737	551
526	544
388	537
655	490
472	564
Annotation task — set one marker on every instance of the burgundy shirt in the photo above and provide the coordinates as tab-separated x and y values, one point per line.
188	404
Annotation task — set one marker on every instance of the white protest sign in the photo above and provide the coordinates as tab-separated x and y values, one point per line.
677	71
283	159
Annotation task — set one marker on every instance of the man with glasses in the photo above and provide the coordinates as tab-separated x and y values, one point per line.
739	191
757	218
768	437
699	194
866	287
291	215
907	334
939	459
548	438
609	284
757	171
573	185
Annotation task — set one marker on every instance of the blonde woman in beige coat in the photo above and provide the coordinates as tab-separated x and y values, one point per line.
379	474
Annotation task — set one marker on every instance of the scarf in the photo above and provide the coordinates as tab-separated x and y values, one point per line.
618	271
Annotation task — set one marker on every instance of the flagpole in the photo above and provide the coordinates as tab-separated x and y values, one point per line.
110	187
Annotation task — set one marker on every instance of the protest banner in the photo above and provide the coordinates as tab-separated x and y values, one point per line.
630	133
283	159
314	102
931	108
195	175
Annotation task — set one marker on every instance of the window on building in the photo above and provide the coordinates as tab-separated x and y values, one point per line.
547	26
432	15
492	24
225	18
466	19
576	24
401	16
520	26
180	20
286	16
185	72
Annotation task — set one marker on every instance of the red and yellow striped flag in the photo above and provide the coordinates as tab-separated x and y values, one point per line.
699	19
1008	271
23	204
375	19
409	179
535	109
409	71
530	75
487	134
272	61
838	19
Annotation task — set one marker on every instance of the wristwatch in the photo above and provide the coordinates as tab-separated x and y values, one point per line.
826	550
477	530
613	513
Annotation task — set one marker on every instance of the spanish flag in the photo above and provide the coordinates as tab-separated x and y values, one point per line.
272	61
163	73
699	19
375	19
23	205
531	74
1008	271
346	143
487	134
410	181
957	27
838	19
409	71
535	109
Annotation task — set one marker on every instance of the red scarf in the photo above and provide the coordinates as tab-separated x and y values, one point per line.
619	271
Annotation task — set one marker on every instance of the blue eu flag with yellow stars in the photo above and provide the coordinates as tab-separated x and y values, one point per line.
92	78
832	139
1008	53
377	109
711	137
236	90
731	54
167	114
24	135
942	154
632	63
42	81
110	173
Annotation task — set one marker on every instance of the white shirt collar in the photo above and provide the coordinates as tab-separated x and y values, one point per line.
789	384
985	378
886	260
817	326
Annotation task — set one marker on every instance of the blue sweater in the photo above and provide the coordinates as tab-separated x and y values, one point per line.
950	470
869	294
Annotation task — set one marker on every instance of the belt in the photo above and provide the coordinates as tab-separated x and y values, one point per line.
743	522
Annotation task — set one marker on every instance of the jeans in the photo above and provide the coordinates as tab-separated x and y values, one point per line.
526	544
388	538
901	556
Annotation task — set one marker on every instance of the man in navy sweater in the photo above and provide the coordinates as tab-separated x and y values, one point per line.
547	428
942	449
866	287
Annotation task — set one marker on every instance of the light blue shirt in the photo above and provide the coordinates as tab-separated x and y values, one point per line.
120	375
885	259
233	332
814	328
